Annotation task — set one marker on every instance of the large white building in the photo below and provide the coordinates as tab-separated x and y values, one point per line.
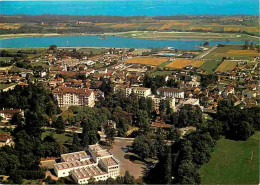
68	96
97	163
146	93
171	92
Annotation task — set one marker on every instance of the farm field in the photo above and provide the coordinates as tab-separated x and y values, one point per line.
210	65
231	163
181	63
147	60
233	51
226	66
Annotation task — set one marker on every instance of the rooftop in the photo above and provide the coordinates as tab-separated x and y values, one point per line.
73	156
4	137
110	161
170	89
65	90
88	172
13	111
73	164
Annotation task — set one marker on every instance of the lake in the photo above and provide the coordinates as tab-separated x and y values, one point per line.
110	41
131	7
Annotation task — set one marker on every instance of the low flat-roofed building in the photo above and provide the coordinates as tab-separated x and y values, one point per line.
100	165
63	169
82	175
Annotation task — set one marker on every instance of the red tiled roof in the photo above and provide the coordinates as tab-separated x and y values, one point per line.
4	137
170	89
161	125
11	111
73	90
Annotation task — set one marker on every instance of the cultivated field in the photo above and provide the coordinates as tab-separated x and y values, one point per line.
147	60
233	51
181	63
226	66
233	162
210	65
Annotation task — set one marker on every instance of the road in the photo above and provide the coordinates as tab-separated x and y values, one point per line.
205	53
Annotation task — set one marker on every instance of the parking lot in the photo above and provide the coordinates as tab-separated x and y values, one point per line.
125	164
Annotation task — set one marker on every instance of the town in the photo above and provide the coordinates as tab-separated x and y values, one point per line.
96	115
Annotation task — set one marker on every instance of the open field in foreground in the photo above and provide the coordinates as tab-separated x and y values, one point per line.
147	60
226	66
210	65
232	51
181	63
231	162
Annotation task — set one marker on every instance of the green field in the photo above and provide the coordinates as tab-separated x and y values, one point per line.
234	51
3	86
65	138
210	65
231	162
6	59
162	73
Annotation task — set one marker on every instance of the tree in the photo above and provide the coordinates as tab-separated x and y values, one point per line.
76	146
142	146
110	134
173	134
187	173
244	130
59	125
17	119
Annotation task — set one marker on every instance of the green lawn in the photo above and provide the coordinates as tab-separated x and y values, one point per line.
210	65
231	162
3	86
162	73
65	138
6	59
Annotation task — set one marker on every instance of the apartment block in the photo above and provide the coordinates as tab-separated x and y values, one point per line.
68	96
171	92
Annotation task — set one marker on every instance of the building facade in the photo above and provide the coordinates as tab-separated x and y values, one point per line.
171	92
68	96
7	114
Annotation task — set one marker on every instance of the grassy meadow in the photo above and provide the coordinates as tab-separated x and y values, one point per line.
233	162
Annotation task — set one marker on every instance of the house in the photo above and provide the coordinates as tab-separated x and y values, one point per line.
192	101
95	163
7	114
160	125
6	139
68	96
25	72
102	71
